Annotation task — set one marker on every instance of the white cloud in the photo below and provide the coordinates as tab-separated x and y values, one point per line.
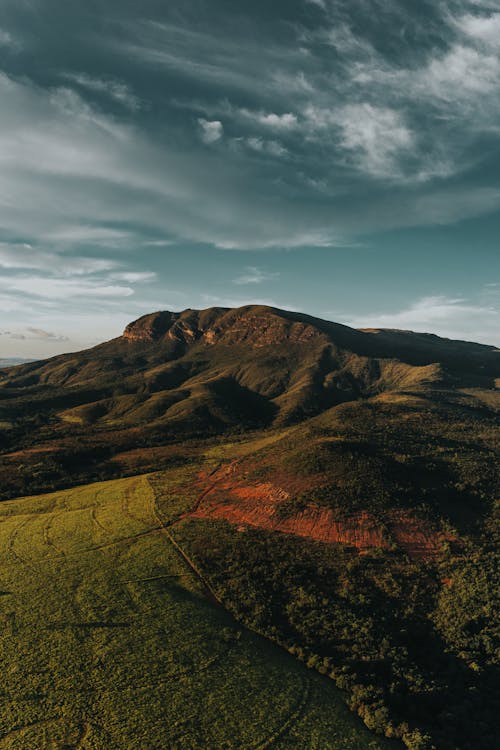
455	318
40	333
484	29
263	146
451	205
20	256
211	131
158	243
63	289
254	275
287	121
6	39
116	90
461	73
132	277
320	3
82	234
69	172
304	238
375	138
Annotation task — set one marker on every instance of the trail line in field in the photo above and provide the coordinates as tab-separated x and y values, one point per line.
49	542
292	719
212	596
11	542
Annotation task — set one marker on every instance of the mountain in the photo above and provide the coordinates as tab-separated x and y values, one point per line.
176	378
337	493
276	367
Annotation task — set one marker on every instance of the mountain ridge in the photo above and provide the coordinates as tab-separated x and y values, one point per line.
217	325
175	377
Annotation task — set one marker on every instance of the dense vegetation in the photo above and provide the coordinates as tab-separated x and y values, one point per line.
416	648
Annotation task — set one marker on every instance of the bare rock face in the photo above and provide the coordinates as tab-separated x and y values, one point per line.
258	329
149	328
252	326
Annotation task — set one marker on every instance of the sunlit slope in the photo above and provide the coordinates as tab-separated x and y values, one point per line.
108	639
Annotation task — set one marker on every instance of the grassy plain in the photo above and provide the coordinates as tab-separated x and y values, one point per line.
109	642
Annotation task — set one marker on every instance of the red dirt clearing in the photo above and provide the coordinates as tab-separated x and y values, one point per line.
258	506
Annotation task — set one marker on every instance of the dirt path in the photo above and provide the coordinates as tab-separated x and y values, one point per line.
164	527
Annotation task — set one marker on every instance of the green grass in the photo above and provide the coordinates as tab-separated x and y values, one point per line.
108	641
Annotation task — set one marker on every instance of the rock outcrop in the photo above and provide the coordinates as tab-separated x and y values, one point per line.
251	326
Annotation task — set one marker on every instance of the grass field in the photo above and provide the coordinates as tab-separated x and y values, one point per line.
109	641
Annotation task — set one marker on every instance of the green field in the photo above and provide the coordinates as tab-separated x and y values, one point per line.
109	640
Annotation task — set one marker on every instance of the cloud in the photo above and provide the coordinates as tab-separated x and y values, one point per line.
263	146
376	137
455	318
6	39
483	29
31	332
463	72
63	289
94	235
68	172
254	275
40	333
135	276
287	121
116	90
24	256
210	131
320	134
320	3
219	55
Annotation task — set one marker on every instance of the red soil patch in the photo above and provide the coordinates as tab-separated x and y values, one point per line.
258	505
360	531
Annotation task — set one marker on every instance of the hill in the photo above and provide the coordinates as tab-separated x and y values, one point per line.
335	490
180	376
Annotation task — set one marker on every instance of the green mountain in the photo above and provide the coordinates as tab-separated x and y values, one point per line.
338	495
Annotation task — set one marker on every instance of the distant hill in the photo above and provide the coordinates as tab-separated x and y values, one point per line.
13	361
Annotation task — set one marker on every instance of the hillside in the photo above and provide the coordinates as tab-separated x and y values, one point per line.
197	374
108	640
334	490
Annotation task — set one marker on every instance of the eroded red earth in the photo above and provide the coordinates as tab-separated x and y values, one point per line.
225	495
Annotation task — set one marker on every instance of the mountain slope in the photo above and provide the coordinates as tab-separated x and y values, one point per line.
191	375
339	495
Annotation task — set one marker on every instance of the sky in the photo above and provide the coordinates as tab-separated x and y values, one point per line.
335	157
